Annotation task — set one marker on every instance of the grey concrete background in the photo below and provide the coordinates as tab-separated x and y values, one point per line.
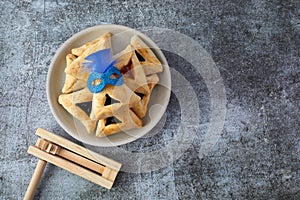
255	45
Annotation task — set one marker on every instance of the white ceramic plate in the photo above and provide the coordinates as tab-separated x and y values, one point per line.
120	39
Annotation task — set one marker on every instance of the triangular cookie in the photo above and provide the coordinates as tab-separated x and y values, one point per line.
69	101
134	76
79	50
141	108
126	120
71	83
76	69
149	61
103	106
123	58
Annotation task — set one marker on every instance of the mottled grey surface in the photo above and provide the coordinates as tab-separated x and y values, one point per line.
255	44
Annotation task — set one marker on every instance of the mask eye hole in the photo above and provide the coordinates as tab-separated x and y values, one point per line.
114	76
96	82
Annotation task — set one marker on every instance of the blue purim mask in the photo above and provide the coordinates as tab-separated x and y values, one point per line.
102	68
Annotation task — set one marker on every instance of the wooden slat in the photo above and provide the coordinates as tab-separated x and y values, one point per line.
71	167
82	161
69	155
78	149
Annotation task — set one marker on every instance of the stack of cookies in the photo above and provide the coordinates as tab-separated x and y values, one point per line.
115	108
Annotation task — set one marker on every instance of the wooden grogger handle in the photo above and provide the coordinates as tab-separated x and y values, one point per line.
35	179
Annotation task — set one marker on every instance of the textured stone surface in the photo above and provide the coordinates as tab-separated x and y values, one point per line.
255	44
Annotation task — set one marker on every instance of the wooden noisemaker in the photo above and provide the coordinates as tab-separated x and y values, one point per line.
71	157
